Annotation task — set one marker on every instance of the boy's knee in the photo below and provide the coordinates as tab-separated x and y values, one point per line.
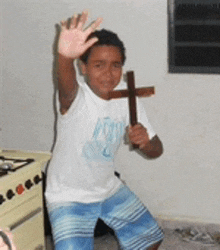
155	246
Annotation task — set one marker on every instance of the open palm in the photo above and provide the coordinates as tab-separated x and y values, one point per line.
73	39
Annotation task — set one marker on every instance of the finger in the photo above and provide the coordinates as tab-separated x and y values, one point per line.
63	25
140	141
138	125
139	134
90	42
97	23
93	26
82	20
73	22
137	129
137	138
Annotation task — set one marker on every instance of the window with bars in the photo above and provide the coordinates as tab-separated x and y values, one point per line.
194	36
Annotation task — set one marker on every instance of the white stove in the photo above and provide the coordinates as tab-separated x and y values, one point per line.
21	203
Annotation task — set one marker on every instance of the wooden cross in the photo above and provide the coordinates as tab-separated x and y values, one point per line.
131	93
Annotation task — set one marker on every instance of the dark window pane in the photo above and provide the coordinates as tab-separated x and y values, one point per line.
197	56
198	33
197	11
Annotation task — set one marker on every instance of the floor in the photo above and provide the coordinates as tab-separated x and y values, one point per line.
178	238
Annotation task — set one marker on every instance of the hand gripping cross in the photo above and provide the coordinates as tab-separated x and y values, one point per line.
131	93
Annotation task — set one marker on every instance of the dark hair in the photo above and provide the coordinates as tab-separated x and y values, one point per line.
107	38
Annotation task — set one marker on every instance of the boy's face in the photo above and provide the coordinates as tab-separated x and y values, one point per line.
103	69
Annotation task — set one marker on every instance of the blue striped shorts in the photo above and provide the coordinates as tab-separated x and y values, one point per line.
73	223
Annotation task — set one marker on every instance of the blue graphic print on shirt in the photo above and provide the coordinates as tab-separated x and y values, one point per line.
105	141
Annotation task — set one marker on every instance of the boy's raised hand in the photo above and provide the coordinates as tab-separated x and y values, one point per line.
73	39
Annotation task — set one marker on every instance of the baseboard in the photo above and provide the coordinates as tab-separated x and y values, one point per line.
191	230
171	222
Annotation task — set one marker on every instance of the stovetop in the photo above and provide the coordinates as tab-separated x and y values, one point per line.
9	165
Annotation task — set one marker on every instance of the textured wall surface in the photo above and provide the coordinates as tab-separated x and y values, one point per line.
184	182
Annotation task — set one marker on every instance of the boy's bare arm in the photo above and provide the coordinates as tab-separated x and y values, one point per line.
72	44
67	83
151	148
154	148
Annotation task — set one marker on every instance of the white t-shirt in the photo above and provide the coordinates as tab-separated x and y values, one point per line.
88	136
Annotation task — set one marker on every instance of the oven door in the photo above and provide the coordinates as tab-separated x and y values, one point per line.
27	225
27	232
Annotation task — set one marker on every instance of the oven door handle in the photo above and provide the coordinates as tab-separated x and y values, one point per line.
25	218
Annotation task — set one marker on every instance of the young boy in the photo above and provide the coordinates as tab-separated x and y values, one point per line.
81	184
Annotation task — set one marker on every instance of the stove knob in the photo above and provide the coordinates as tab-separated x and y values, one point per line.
20	189
37	179
10	194
2	199
28	184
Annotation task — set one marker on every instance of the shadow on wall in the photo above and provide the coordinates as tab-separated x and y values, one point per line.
54	77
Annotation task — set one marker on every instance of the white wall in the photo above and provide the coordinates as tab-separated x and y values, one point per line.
1	95
184	182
